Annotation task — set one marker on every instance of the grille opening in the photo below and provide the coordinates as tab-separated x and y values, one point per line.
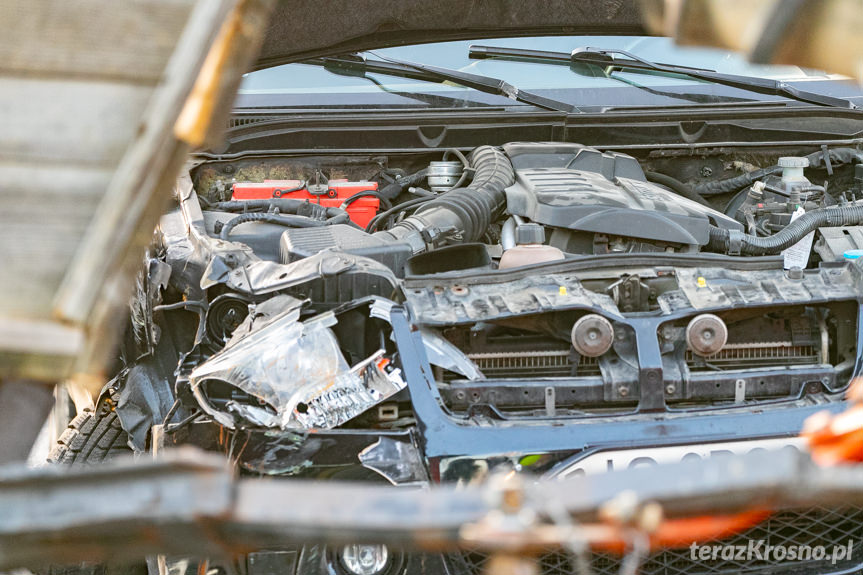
777	353
813	527
534	363
753	355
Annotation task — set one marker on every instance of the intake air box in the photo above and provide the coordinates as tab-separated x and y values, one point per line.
299	243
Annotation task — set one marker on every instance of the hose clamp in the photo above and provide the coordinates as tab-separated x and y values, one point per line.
735	242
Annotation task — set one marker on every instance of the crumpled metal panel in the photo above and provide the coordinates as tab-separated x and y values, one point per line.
719	288
437	304
438	301
263	277
295	369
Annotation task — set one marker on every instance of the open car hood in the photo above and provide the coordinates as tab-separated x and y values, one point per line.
303	29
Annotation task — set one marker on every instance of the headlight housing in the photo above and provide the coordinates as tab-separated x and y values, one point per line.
360	559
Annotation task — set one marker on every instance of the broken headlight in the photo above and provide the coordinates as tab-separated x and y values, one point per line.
282	372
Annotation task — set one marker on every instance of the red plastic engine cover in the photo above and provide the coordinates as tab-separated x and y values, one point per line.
361	210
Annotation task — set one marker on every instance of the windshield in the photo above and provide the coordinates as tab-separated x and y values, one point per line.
311	85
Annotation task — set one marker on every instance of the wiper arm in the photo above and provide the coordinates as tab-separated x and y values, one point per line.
605	58
359	64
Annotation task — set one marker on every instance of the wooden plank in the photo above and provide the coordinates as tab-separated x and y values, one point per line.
149	171
130	40
44	212
69	120
132	201
39	350
824	34
40	337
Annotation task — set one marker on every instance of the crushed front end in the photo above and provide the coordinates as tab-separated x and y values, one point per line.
548	311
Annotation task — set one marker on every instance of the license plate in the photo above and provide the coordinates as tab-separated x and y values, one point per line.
613	460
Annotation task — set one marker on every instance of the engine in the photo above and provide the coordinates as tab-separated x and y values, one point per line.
529	203
596	203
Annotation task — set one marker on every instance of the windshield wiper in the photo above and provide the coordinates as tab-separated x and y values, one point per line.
605	58
360	64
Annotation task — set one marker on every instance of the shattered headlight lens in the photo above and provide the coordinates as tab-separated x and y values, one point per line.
297	369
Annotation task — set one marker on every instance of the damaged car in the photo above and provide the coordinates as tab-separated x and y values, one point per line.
429	259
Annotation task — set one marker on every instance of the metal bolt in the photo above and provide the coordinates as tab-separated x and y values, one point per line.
794	274
623	390
669	389
706	171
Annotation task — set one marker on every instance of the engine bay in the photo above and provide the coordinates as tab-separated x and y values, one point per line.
546	201
545	280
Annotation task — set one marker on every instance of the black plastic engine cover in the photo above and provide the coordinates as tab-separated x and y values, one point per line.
579	188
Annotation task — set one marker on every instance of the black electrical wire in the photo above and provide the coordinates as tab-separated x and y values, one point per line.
282	205
818	159
464	162
802	190
734	184
366	194
391	191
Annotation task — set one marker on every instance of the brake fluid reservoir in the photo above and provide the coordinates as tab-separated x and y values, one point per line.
529	248
792	170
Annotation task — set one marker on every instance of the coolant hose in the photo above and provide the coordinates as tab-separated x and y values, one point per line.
676	186
466	212
737	242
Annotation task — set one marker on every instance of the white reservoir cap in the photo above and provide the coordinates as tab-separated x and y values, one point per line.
792	167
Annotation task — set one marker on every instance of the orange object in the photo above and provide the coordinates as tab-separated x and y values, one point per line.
361	210
679	533
837	439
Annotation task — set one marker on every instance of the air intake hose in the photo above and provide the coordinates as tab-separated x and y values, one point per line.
466	212
736	242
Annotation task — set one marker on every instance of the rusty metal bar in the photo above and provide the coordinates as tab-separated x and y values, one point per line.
189	503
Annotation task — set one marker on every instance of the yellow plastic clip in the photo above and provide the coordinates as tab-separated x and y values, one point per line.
561	290
702	282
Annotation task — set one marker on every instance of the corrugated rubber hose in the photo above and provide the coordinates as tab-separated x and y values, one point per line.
737	242
465	211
